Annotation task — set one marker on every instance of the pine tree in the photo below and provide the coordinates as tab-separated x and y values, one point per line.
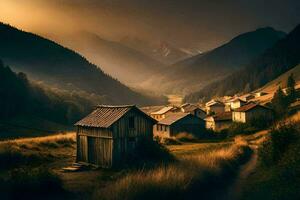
279	102
291	91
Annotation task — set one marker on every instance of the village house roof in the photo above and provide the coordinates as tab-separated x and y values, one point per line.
163	110
105	115
249	107
190	108
225	116
150	109
238	99
169	120
214	103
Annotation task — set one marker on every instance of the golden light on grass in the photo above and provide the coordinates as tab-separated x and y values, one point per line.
173	178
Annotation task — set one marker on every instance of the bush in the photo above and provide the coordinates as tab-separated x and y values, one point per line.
241	128
186	137
280	139
149	152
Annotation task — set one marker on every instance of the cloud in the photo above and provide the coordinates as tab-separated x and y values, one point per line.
199	23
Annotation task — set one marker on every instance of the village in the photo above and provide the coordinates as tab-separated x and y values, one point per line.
110	133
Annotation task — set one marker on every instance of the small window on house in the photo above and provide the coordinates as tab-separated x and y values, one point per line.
131	122
165	128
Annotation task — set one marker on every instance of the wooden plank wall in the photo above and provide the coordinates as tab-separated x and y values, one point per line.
108	147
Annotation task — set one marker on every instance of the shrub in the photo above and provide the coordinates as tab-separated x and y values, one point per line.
149	152
240	128
280	139
186	137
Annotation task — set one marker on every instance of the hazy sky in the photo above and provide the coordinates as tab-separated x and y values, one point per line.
198	23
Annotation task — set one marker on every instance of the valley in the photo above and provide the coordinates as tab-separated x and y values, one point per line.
131	100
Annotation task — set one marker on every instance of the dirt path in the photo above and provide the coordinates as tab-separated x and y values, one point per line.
235	191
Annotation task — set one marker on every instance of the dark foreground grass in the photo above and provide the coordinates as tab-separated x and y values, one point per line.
204	175
277	176
28	183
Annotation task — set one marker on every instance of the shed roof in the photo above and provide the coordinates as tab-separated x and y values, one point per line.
105	115
163	110
171	119
250	106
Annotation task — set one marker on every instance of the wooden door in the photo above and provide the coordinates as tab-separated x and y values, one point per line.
82	155
92	152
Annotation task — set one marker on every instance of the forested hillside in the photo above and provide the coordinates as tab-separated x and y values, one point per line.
46	61
283	56
20	97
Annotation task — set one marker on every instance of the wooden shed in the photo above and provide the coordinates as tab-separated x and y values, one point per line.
108	135
179	123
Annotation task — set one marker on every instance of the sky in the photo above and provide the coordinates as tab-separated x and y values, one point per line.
202	24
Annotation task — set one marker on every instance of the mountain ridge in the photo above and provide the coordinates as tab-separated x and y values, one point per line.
45	60
283	56
196	72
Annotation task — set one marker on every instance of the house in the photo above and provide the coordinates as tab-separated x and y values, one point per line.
215	107
252	111
178	123
259	94
162	113
247	97
193	109
219	121
110	134
236	103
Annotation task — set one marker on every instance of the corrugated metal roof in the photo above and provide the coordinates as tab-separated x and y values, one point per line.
104	116
163	110
170	119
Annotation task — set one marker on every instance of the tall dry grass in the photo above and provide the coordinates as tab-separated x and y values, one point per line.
201	174
18	152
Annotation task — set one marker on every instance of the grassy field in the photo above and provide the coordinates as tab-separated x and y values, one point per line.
204	169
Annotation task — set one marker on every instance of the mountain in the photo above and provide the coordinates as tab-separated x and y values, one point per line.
283	56
162	51
124	63
194	73
46	61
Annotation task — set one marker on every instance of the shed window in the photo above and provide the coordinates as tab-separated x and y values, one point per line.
131	122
